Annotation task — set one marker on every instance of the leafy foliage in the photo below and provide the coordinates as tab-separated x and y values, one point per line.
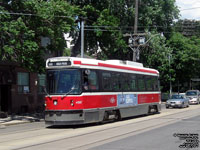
158	56
107	22
186	55
23	24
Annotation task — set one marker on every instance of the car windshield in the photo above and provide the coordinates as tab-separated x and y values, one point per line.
191	93
63	81
177	97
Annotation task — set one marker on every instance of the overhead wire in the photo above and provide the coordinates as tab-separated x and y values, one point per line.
29	14
190	8
92	28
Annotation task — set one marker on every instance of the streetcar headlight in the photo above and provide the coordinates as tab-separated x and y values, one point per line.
55	102
72	102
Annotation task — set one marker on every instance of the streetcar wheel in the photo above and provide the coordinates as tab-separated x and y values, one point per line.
118	116
105	116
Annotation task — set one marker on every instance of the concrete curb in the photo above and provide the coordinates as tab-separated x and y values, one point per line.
15	122
2	126
19	119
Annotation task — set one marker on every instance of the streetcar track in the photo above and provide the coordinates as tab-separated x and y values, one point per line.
56	131
30	136
125	134
89	134
110	128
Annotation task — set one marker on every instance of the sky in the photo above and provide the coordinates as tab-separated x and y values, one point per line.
193	7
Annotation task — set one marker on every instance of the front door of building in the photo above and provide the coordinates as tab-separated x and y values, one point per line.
5	98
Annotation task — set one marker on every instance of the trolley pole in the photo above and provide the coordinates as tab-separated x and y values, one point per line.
82	38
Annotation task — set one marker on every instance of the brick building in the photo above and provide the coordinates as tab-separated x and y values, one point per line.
20	90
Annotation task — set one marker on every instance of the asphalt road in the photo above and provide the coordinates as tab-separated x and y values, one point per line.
154	132
163	138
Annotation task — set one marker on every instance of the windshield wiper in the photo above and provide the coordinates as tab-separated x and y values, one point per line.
73	88
45	90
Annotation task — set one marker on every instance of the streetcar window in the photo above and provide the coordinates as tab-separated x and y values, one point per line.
149	83
141	84
107	81
155	83
90	80
126	82
133	83
116	84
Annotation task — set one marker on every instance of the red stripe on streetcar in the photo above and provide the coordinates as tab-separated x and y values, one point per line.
80	102
117	67
80	63
77	62
148	98
127	68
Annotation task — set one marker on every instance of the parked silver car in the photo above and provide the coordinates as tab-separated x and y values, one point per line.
177	100
193	96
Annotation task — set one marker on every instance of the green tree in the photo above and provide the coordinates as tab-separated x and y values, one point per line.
157	55
107	22
186	54
23	24
188	28
157	15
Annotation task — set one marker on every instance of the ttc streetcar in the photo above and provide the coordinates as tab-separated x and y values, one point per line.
84	90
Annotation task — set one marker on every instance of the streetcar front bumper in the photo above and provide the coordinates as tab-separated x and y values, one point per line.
64	117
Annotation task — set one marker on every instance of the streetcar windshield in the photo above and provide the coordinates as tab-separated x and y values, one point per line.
63	81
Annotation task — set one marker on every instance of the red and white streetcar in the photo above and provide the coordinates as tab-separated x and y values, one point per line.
84	90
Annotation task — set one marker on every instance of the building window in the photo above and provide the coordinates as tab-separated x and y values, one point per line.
23	82
41	82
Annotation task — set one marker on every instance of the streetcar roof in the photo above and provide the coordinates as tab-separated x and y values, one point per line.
111	65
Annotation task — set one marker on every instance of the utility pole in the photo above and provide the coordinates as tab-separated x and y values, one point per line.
137	40
135	31
136	17
82	38
170	82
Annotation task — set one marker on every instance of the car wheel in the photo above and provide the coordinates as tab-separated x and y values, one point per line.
167	107
183	105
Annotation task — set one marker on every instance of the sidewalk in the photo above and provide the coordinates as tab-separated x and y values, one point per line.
20	119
